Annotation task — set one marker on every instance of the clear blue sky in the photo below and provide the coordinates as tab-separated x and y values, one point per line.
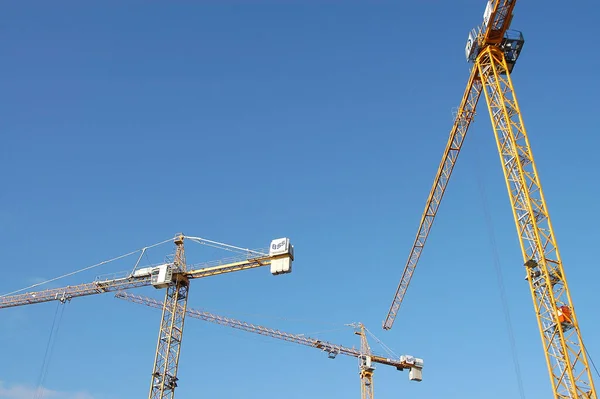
124	123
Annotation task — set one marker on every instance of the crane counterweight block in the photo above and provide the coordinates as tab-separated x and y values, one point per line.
283	253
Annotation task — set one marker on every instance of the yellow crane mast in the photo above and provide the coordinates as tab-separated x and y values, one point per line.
365	356
174	276
365	366
493	50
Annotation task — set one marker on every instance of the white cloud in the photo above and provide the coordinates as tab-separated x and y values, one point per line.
28	392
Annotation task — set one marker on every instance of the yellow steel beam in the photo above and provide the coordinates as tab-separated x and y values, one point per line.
561	337
464	117
166	360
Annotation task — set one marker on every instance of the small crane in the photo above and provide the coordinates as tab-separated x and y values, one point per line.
365	356
493	50
174	276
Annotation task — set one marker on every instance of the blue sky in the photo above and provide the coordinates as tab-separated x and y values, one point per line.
124	123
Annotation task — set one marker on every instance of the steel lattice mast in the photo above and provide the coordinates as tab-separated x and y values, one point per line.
166	361
565	355
365	367
494	52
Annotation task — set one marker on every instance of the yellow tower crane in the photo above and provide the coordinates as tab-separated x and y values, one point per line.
174	276
493	50
365	356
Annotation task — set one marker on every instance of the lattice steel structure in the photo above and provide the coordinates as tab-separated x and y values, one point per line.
364	354
175	277
166	361
365	367
494	50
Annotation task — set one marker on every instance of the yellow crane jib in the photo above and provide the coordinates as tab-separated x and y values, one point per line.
365	356
174	276
280	258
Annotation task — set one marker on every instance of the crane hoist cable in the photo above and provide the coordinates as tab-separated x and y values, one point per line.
86	268
380	342
499	279
56	320
591	361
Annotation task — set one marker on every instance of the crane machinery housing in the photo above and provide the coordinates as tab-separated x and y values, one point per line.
493	50
173	276
365	356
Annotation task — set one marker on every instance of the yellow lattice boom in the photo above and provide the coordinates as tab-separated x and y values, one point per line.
494	50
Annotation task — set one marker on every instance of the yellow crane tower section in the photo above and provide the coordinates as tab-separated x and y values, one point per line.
365	356
173	275
493	50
